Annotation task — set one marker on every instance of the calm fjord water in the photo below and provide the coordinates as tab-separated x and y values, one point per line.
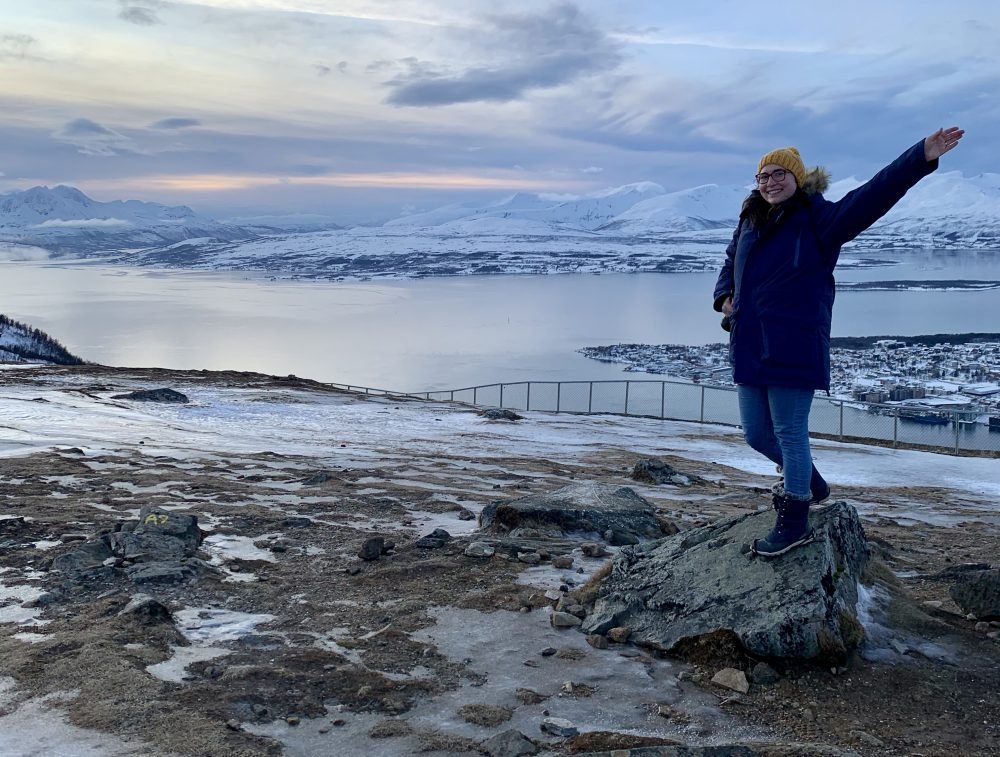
420	334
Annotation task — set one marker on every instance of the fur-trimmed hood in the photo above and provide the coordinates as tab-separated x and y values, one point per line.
756	209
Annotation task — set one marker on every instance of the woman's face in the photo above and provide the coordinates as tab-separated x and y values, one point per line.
773	189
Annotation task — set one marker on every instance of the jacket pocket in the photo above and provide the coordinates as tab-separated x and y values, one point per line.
792	346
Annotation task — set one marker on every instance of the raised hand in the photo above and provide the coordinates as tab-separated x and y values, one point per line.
941	141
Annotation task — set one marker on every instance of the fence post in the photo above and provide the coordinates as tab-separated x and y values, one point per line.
841	420
954	419
895	427
663	399
501	396
701	416
558	395
475	390
590	399
627	385
452	395
527	398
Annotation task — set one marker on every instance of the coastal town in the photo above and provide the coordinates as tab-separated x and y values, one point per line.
932	378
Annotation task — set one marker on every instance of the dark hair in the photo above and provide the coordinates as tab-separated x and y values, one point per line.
756	210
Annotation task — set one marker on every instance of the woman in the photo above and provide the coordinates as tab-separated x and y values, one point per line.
776	290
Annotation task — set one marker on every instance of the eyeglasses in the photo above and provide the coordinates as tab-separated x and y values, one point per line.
777	175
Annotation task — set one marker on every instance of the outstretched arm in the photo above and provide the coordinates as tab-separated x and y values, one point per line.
843	220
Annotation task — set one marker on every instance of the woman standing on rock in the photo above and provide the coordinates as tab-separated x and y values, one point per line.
776	290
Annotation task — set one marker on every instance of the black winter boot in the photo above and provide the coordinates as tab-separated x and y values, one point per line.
791	527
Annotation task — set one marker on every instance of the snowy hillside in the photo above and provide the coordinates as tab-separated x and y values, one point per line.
633	228
63	219
20	343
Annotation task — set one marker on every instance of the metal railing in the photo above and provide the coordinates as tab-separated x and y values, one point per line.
890	425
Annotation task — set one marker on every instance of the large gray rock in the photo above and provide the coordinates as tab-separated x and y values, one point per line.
152	395
978	592
800	605
159	548
586	508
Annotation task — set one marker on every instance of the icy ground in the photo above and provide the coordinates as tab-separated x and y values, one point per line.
268	430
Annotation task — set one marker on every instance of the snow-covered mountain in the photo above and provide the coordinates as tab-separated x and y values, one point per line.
581	213
64	219
19	343
636	227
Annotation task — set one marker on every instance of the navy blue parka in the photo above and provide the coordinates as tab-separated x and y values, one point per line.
780	275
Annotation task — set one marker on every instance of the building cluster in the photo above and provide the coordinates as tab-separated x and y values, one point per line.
942	376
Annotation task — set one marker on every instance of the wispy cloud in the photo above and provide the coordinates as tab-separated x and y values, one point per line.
90	138
137	14
17	46
530	51
175	123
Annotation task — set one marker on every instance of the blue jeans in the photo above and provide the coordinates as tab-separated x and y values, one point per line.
776	424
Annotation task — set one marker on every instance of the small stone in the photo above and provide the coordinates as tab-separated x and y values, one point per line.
529	696
324	729
597	641
292	720
529	558
808	715
619	634
593	549
510	743
372	548
731	678
564	620
562	562
578	610
530	663
352	570
763	673
982	626
553	595
339	722
548	651
480	549
68	538
933	604
559	727
867	739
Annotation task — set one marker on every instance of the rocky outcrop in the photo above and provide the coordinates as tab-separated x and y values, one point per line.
159	548
153	395
615	514
703	581
977	592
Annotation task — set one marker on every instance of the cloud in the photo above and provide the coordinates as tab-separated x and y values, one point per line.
90	138
322	70
138	15
16	46
539	51
175	123
592	169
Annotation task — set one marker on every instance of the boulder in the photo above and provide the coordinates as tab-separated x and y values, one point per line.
585	508
800	605
657	472
500	414
977	592
152	395
510	743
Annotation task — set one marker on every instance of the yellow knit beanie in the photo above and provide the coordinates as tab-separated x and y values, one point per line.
789	159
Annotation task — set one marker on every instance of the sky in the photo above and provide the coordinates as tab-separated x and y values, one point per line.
366	110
